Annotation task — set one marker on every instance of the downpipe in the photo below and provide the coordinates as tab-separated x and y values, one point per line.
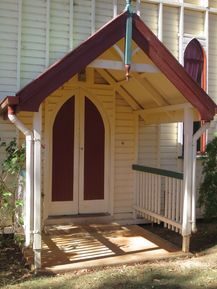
28	224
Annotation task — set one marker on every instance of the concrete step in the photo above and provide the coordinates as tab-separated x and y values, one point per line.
91	219
79	219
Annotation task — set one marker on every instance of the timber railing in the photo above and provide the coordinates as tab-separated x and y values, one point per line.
159	196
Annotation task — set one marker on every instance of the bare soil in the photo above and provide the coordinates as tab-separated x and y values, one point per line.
204	238
12	264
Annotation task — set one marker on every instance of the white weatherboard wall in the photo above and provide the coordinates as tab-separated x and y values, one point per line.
194	22
8	62
212	73
148	144
168	146
171	29
125	142
149	14
8	47
59	29
82	20
104	12
33	40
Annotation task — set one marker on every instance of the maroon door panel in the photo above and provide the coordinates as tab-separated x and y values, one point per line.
94	136
63	153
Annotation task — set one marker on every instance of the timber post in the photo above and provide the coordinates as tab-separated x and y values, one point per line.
187	194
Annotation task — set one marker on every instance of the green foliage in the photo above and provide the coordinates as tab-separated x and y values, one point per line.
208	188
11	182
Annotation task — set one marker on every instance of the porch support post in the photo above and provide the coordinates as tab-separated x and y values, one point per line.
188	141
28	220
37	245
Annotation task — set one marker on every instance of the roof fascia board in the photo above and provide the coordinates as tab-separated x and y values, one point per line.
8	101
33	94
166	62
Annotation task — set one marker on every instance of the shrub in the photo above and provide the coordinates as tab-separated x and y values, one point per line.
11	184
208	187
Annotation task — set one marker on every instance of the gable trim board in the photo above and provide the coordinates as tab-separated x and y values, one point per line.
31	96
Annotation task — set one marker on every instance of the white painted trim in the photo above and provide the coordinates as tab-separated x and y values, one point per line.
180	136
81	121
79	92
37	242
181	34
138	7
107	174
136	160
172	3
71	22
115	8
93	16
51	207
47	157
157	216
158	159
47	41
119	51
19	36
173	107
111	180
28	222
118	65
137	49
206	34
188	142
181	61
29	189
160	21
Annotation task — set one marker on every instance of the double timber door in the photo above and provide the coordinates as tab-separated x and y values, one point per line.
78	159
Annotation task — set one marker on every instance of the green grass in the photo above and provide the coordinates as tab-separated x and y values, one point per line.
194	273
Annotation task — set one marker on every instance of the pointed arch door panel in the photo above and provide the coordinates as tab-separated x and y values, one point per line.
78	168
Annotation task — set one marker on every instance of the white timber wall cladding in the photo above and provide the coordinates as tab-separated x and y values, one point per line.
33	40
149	14
8	46
213	56
194	22
168	146
103	12
82	20
125	141
59	29
171	29
148	144
212	64
9	23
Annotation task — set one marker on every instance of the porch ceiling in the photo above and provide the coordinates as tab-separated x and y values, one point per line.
150	93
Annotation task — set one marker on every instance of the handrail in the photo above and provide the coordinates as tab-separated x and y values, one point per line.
157	171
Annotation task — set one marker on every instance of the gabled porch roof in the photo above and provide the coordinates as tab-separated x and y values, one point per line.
169	87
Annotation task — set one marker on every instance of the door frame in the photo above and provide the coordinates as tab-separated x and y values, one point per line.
50	206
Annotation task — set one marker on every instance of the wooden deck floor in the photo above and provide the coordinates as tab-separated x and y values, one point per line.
72	247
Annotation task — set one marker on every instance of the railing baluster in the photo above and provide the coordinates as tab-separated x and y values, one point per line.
158	190
159	197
